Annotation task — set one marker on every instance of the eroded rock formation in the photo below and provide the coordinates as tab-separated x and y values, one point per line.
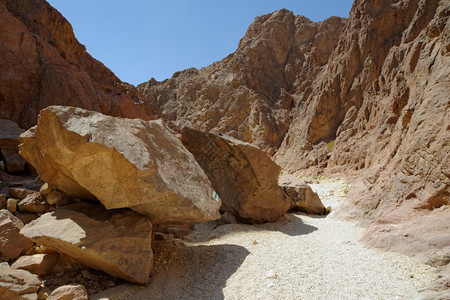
249	94
122	162
43	64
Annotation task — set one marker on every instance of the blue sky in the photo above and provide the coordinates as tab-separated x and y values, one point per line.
139	39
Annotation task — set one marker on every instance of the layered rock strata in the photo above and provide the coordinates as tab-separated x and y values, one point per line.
43	64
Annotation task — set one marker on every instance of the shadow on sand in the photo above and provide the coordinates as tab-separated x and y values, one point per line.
194	272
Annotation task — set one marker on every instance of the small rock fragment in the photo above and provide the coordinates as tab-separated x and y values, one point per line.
54	197
11	205
69	292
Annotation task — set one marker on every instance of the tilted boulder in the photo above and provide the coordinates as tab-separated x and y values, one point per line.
244	177
122	162
304	199
12	242
9	142
117	241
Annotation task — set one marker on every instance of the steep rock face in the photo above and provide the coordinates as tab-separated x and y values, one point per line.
383	100
249	94
43	64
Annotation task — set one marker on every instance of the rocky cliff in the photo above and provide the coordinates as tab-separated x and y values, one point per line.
250	94
42	64
366	97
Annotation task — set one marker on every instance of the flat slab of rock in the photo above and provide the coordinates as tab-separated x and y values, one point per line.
12	242
304	199
122	162
18	284
39	264
9	142
244	177
117	241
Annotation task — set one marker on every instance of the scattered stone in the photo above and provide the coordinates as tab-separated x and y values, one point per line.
11	205
54	197
116	241
33	203
271	274
121	162
43	293
304	199
69	292
45	189
18	284
86	274
12	242
20	192
244	177
39	264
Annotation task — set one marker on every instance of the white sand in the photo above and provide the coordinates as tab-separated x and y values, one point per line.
300	257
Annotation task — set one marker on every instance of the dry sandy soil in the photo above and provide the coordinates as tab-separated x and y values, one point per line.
299	257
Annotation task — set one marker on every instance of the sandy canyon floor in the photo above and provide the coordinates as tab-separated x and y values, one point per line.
299	257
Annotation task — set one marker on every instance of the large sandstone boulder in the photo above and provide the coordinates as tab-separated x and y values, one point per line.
117	241
12	242
122	162
304	199
18	284
244	177
9	142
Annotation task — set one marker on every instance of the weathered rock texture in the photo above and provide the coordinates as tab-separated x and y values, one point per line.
18	284
43	64
122	162
117	242
367	96
12	242
39	264
244	177
9	142
69	292
303	198
249	94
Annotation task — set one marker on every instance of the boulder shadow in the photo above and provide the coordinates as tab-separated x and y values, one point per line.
192	272
292	225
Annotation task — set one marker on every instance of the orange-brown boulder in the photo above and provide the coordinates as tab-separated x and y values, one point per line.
117	241
244	177
121	162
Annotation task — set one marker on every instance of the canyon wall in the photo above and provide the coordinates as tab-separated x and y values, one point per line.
42	63
367	97
250	94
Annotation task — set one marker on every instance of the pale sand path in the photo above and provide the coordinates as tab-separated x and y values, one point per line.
300	257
